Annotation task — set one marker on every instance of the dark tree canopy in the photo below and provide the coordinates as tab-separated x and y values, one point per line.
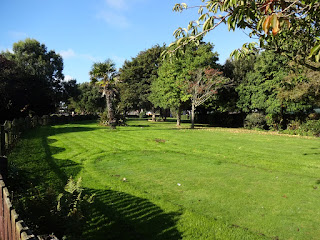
30	79
88	99
136	77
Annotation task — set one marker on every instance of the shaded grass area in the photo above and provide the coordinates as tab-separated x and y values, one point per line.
180	183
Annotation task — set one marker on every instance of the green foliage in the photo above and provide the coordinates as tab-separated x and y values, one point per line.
104	75
307	128
142	114
273	88
302	87
71	205
136	77
312	126
31	80
70	90
275	121
89	99
227	97
169	90
293	24
255	120
261	86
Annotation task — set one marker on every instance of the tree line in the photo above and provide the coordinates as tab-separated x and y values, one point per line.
265	83
274	82
31	81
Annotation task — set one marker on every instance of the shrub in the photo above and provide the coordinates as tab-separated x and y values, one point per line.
314	116
312	127
104	118
294	125
275	122
71	208
255	120
142	114
308	128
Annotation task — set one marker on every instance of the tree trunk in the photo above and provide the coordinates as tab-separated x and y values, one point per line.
179	116
192	116
164	114
110	112
153	114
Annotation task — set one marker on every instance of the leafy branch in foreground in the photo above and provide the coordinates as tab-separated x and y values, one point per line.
285	18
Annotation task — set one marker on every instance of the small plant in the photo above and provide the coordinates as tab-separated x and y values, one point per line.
274	122
294	125
104	118
71	206
255	120
314	116
142	114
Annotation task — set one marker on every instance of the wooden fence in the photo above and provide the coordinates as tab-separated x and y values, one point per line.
11	227
11	130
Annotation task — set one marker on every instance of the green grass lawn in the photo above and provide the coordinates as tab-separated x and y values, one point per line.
181	183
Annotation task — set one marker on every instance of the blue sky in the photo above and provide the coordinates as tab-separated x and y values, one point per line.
86	31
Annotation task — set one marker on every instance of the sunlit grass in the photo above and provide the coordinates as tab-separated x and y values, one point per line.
183	183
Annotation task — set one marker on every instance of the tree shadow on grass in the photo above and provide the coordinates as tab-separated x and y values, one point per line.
59	130
118	215
36	177
62	169
34	157
113	215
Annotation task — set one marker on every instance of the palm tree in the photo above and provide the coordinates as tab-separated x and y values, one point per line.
104	74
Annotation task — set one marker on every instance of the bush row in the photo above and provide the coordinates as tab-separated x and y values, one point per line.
307	127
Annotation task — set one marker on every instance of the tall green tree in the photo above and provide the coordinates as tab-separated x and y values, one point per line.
136	77
35	75
263	89
88	99
104	75
169	90
227	97
12	95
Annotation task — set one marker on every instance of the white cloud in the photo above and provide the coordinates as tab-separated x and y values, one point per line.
67	53
117	4
113	19
18	35
89	57
70	53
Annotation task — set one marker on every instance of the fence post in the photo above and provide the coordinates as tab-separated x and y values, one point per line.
14	220
2	141
2	220
7	215
4	167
